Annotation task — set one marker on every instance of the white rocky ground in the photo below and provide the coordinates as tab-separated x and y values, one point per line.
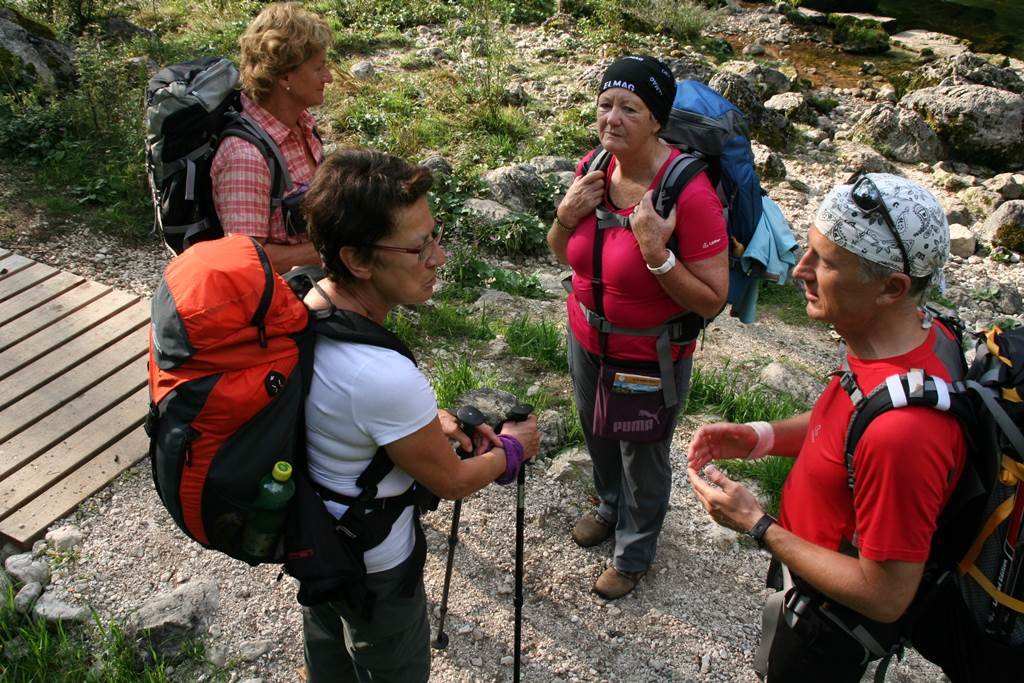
695	617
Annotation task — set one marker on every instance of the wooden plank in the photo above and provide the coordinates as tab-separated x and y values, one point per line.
78	350
11	265
74	450
52	395
101	311
26	279
31	520
37	296
27	445
42	315
4	253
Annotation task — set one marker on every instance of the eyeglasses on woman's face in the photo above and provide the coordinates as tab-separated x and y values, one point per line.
425	250
868	198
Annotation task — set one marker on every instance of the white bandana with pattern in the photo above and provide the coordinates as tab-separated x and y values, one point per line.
920	220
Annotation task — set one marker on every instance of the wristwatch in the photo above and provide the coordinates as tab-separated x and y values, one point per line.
666	266
757	531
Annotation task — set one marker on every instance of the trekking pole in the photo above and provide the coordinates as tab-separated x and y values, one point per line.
469	419
518	414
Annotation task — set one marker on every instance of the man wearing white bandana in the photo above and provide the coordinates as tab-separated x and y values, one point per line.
852	561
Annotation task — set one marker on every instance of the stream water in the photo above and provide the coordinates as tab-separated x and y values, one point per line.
990	25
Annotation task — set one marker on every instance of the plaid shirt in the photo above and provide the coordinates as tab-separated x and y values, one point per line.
241	176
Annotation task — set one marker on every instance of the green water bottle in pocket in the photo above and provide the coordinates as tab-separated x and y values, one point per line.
265	521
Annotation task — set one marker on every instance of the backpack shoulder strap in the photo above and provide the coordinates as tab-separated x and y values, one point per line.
243	126
352	327
598	161
914	388
677	176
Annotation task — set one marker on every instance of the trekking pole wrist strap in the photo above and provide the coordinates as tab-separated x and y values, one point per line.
513	459
765	439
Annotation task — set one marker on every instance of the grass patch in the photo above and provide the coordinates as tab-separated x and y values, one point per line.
723	393
542	340
786	302
415	326
32	650
466	271
452	380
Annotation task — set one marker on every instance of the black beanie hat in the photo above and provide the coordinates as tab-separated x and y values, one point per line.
647	78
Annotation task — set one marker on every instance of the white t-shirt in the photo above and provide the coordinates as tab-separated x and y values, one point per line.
363	397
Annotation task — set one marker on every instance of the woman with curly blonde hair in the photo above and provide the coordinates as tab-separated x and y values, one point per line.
283	71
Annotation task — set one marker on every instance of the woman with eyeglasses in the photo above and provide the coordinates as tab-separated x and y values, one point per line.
380	247
653	272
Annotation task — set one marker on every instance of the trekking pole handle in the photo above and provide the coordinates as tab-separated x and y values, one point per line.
469	419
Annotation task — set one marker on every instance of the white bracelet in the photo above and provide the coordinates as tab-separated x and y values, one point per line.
765	439
666	266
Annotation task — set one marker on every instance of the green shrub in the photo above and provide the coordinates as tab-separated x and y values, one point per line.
85	148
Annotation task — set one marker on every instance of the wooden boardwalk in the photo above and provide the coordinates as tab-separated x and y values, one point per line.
72	391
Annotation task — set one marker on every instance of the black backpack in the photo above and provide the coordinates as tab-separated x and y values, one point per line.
976	562
190	108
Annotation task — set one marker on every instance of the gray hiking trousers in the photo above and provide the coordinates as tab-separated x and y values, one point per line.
392	647
633	480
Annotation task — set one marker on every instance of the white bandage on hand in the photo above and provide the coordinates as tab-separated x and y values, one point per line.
765	439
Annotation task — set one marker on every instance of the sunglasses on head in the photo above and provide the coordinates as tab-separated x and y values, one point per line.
868	198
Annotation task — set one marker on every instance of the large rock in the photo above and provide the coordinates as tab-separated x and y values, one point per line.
27	597
977	123
553	431
766	125
487	210
766	80
784	379
968	68
929	42
1006	225
979	201
27	568
572	465
768	164
691	66
29	54
793	106
899	133
517	186
962	241
56	611
858	157
168	620
552	164
64	538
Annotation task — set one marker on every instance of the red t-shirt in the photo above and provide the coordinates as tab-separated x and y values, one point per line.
906	466
632	295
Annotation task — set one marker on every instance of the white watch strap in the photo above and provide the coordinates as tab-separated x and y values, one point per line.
666	266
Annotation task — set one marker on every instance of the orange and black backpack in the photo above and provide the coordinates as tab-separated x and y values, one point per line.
230	363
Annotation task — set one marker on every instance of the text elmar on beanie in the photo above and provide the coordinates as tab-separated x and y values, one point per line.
647	78
916	213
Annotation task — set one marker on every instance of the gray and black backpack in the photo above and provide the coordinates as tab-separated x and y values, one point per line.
190	108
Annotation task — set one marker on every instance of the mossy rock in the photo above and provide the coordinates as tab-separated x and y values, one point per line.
858	36
1011	237
839	5
30	25
14	75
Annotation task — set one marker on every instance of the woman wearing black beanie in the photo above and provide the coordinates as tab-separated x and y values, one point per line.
642	284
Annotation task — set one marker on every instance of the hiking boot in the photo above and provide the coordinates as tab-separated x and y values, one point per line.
591	529
613	584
